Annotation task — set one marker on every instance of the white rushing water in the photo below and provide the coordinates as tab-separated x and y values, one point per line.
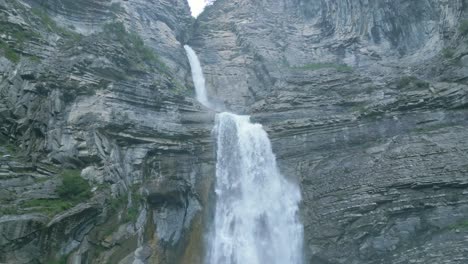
197	76
256	207
197	6
256	210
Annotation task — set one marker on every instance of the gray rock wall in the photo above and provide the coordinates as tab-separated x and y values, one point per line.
99	88
366	105
248	48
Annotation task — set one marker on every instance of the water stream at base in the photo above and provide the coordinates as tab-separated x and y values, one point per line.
256	213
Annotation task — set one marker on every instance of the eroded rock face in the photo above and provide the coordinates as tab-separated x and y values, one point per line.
81	90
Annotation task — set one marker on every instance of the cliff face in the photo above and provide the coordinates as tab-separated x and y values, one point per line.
365	103
262	46
97	89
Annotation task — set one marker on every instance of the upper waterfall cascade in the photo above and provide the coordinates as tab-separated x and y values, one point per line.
197	76
256	214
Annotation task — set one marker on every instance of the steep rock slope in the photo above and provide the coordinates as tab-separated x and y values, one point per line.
97	90
366	103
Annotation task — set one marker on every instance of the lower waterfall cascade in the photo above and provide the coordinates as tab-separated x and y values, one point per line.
256	212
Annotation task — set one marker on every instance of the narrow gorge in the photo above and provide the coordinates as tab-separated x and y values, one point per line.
118	144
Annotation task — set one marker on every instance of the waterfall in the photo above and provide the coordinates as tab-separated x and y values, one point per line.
256	209
197	76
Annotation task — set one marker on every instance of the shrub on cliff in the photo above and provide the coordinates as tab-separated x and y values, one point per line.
73	187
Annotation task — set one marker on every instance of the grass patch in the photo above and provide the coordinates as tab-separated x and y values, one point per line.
9	53
8	211
7	148
318	66
464	27
411	81
460	225
35	58
50	207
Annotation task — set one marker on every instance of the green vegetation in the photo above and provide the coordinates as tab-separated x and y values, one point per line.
17	36
7	148
460	225
8	211
464	27
134	45
72	191
130	212
411	81
9	53
61	260
50	207
35	58
318	66
133	210
73	188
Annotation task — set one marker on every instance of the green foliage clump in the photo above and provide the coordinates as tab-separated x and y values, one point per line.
411	81
7	148
73	188
72	191
460	225
464	27
8	211
130	212
62	260
133	43
9	53
318	66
